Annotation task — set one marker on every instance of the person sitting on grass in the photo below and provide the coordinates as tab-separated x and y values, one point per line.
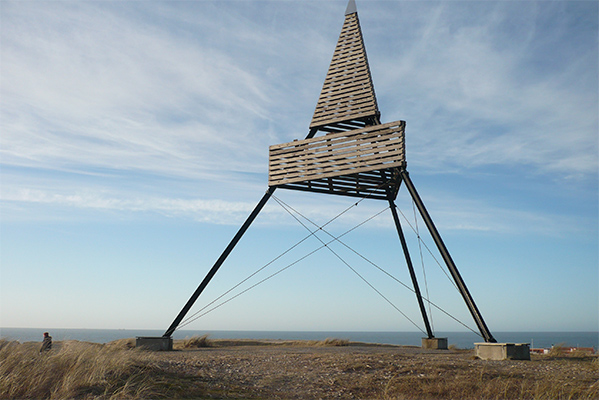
47	343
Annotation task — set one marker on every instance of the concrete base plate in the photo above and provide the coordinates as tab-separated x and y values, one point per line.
154	343
434	343
502	351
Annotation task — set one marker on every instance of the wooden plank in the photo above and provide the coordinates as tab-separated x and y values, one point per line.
337	140
387	131
355	48
376	145
349	76
357	104
308	172
337	84
348	96
311	172
344	92
396	125
346	76
349	56
363	134
326	159
358	98
342	114
349	47
347	93
347	111
367	149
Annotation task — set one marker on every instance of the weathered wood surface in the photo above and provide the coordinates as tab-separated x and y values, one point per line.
348	92
338	154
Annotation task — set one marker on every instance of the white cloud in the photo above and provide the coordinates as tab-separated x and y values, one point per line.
476	90
87	86
450	213
197	91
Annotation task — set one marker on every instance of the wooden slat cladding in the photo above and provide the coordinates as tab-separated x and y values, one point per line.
374	148
348	92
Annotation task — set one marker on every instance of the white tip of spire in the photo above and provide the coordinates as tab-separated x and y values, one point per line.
351	8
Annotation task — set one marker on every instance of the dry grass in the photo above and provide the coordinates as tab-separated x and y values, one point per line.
485	382
73	370
333	368
334	342
196	342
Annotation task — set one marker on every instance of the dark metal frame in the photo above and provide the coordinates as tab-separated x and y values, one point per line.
462	287
379	182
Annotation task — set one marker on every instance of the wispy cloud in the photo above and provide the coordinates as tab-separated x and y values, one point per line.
195	92
488	85
88	84
213	211
451	214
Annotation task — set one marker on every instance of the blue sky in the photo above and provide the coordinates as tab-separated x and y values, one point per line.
134	142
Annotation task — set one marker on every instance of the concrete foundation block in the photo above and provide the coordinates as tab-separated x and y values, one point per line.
154	343
434	343
502	351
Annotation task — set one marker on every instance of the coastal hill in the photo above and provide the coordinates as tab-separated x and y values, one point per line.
202	368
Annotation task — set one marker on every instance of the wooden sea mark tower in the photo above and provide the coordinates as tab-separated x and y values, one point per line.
349	152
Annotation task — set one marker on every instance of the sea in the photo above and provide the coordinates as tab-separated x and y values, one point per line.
461	340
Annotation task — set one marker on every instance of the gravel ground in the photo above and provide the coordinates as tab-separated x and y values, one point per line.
360	371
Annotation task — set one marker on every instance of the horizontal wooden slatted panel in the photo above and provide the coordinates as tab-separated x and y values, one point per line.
339	154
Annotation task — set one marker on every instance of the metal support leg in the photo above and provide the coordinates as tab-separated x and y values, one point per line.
487	336
219	262
311	133
413	276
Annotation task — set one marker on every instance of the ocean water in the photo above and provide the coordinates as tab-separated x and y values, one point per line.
463	340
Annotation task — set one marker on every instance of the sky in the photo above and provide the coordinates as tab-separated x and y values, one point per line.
134	144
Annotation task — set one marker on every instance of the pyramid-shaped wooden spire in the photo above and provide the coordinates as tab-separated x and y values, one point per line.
358	156
347	100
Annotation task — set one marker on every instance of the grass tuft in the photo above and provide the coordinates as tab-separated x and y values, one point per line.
122	344
334	342
197	342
